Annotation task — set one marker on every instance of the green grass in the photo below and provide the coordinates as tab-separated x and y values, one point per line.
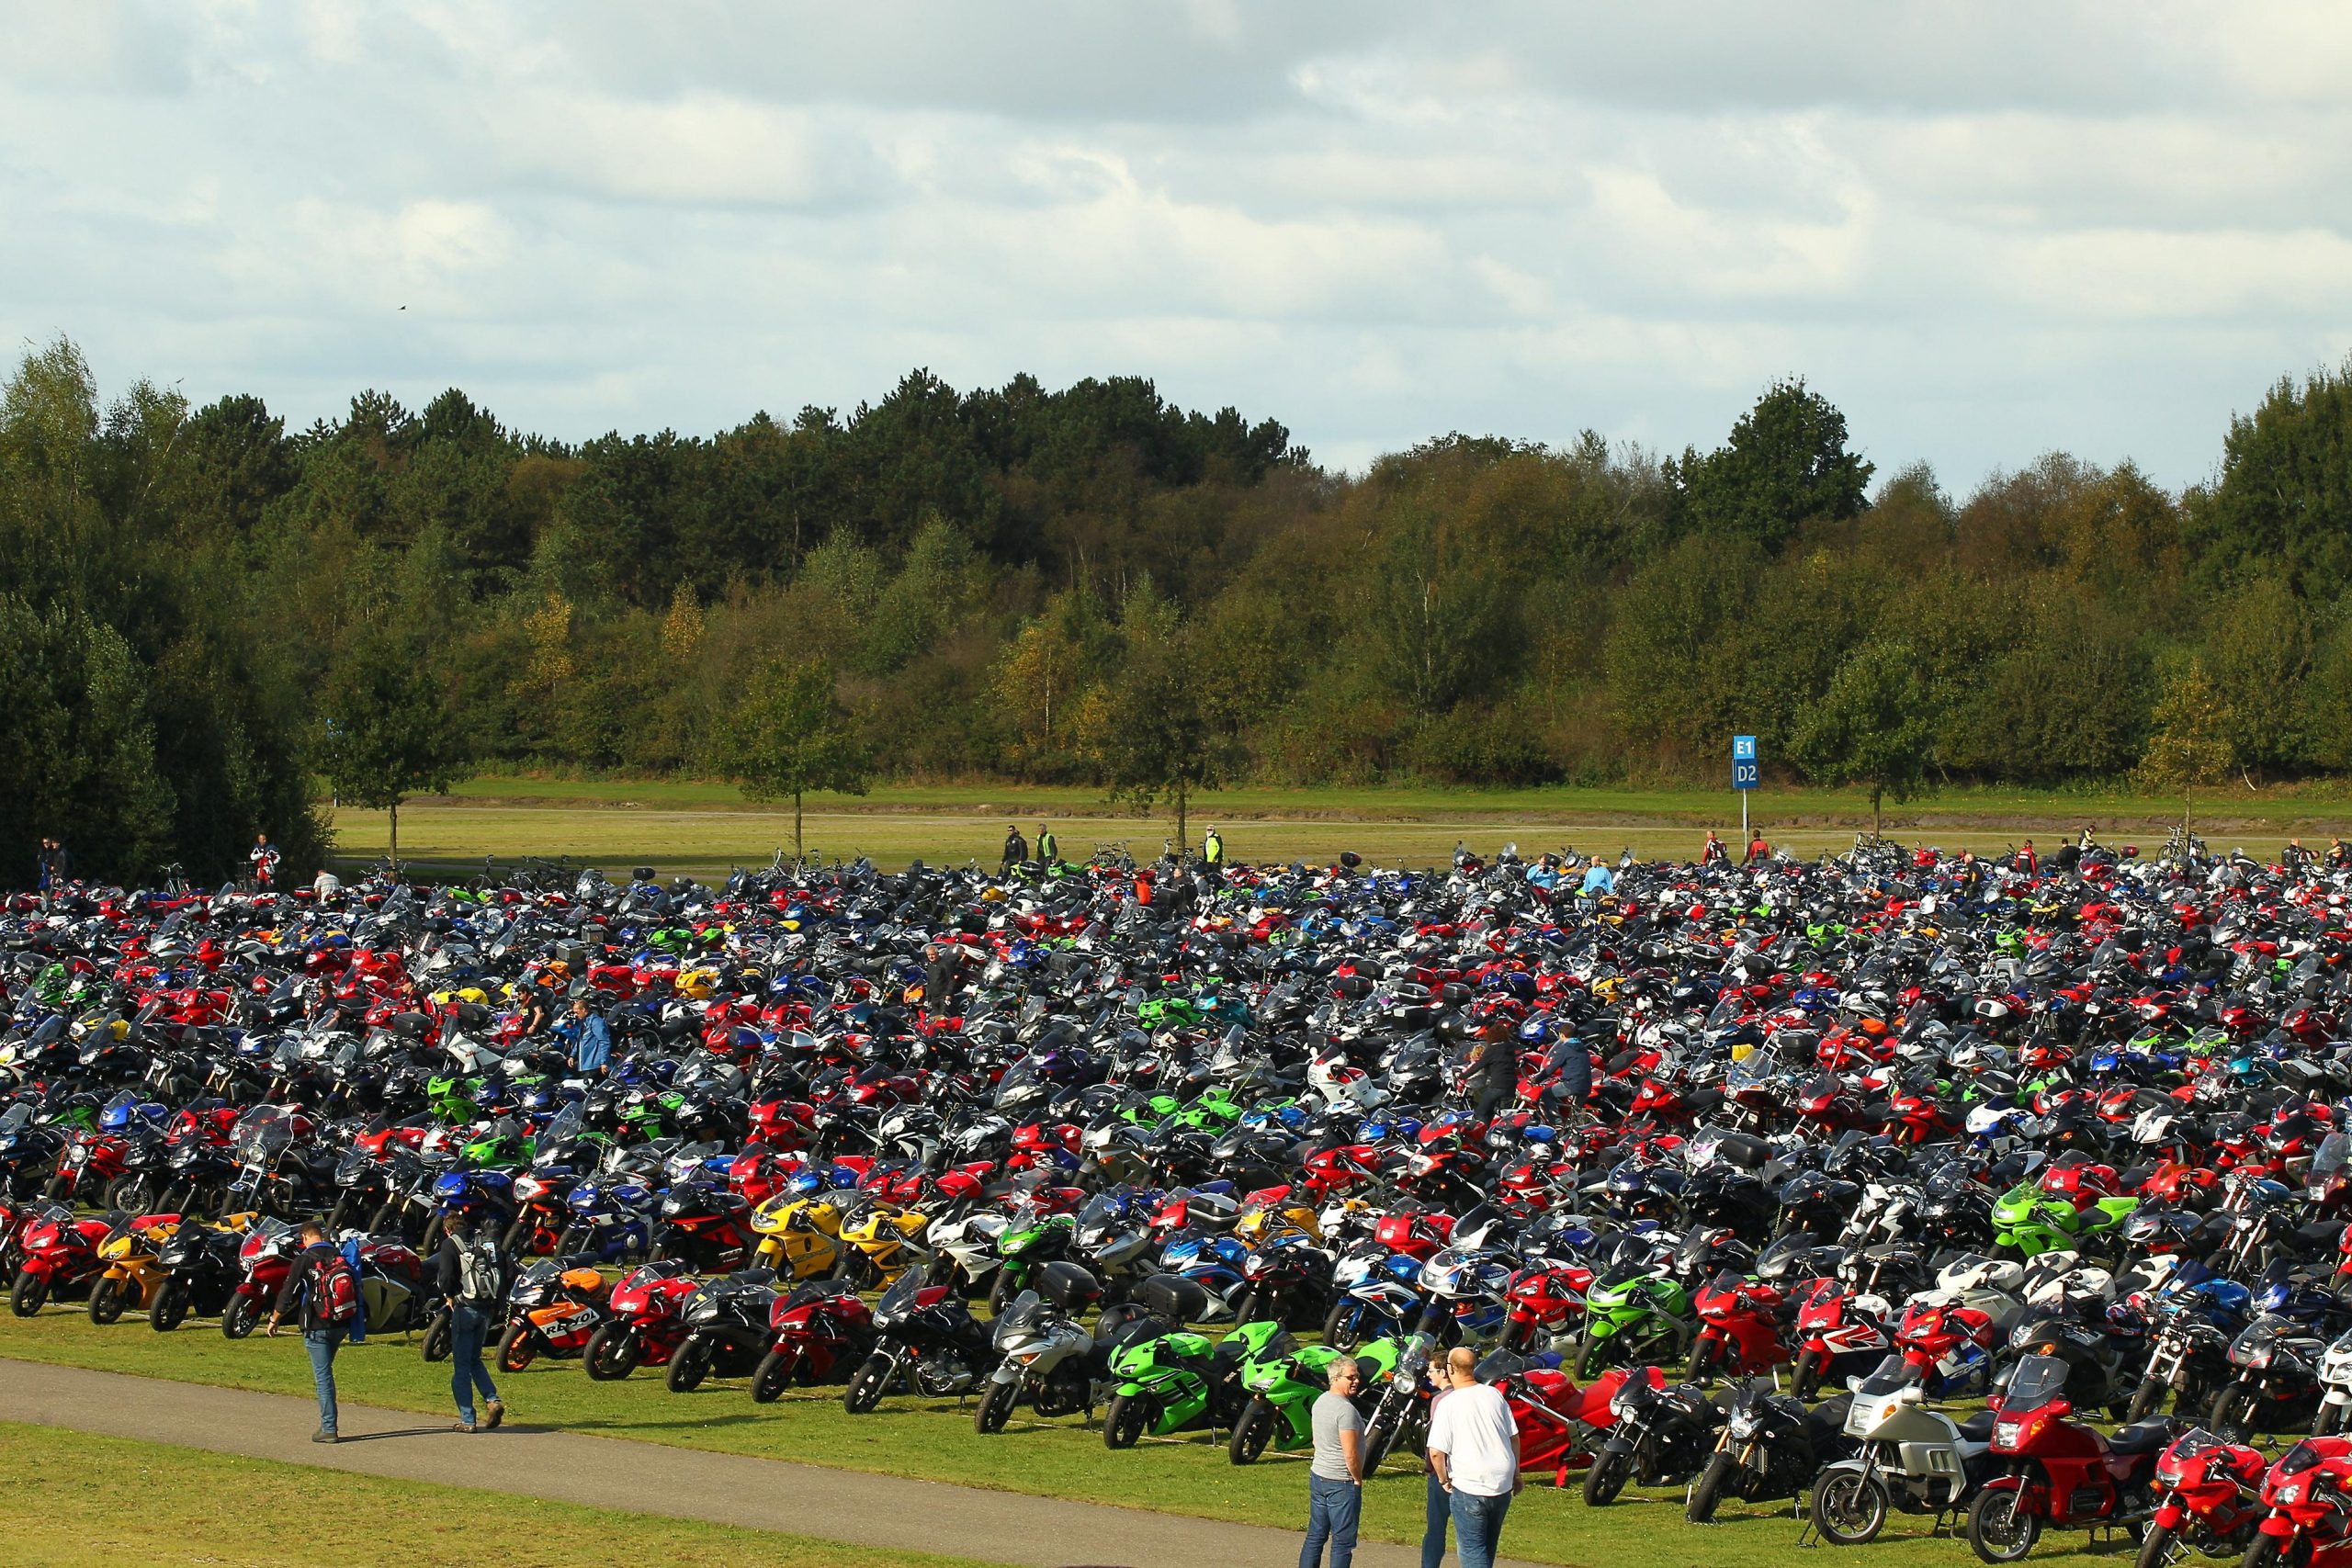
78	1501
934	1440
703	829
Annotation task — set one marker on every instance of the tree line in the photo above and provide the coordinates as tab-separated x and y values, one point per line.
204	613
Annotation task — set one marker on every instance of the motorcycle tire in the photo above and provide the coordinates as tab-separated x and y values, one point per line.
1251	1431
1806	1381
1847	1509
613	1353
1338	1332
1998	1531
691	1366
132	1194
30	1292
1123	1421
2146	1399
1702	1362
2328	1422
1592	1356
1607	1478
1708	1491
1002	1290
2155	1548
334	1215
438	1336
106	1301
518	1347
2232	1416
866	1390
995	1408
169	1309
2265	1552
775	1373
1379	1436
386	1221
521	1231
240	1317
430	1243
59	1187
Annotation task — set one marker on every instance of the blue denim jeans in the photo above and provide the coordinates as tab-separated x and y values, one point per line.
1477	1526
323	1343
1332	1510
469	1326
1436	1516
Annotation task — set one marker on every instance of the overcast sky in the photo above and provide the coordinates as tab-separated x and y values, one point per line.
1984	231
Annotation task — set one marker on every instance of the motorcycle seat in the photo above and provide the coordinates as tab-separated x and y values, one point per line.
2141	1437
1977	1428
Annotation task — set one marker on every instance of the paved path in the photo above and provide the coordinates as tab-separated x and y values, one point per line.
731	1489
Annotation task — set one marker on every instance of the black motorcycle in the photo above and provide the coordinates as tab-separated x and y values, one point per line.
1771	1448
202	1273
927	1342
726	1329
2275	1385
1662	1437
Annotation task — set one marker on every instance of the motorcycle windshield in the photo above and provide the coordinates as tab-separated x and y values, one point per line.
2038	1381
899	1297
1891	1376
2334	1151
1027	1310
261	1132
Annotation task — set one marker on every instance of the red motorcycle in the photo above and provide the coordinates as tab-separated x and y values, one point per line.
822	1333
59	1254
2059	1472
266	1256
648	1321
1739	1329
2309	1494
1544	1304
1837	1335
1560	1425
2208	1497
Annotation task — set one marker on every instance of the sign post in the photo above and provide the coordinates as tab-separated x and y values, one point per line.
1742	777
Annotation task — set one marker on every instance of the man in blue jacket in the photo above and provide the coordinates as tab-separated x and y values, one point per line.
592	1041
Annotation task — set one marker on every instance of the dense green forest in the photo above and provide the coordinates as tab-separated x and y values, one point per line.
1092	585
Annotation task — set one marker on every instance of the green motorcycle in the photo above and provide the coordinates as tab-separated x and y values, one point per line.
1023	1250
1284	1382
2029	1221
1173	1382
1635	1317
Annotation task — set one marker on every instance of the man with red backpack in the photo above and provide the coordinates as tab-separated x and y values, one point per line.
325	1288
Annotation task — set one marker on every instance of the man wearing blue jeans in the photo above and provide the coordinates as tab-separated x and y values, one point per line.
1473	1448
320	1337
1335	1481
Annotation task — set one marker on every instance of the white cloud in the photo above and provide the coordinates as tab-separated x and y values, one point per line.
1984	231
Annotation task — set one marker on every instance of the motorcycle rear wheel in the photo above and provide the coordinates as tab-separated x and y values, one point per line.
866	1390
29	1294
106	1301
1998	1530
518	1347
775	1373
1607	1478
995	1408
613	1353
240	1317
1709	1491
169	1309
1251	1431
1848	1509
1123	1421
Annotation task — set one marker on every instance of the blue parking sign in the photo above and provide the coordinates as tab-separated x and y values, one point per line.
1743	762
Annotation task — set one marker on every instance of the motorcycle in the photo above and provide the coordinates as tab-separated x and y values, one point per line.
554	1310
1661	1436
817	1332
925	1339
2209	1497
647	1323
2050	1470
1770	1447
726	1329
1908	1458
1041	1352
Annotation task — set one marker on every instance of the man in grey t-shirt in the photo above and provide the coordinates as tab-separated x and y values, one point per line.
1335	1481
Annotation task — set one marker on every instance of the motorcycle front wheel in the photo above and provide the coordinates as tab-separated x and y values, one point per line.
1848	1509
106	1301
2155	1548
2233	1410
169	1309
1702	1362
1123	1421
1805	1382
2146	1398
241	1317
995	1408
1710	1488
613	1353
1999	1531
31	1292
866	1390
437	1336
1251	1431
690	1365
1607	1478
518	1347
773	1375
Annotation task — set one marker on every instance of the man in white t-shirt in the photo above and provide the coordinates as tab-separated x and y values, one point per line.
1473	1448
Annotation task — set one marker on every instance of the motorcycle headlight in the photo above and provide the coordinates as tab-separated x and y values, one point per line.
1744	1425
2291	1494
2005	1434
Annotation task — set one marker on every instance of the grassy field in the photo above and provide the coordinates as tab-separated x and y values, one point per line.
78	1501
705	829
935	1441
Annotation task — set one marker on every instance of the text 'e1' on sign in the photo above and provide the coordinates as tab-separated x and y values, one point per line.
1743	762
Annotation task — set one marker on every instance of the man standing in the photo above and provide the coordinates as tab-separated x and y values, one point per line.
1438	1511
939	978
1016	850
322	1287
591	1044
1049	849
1213	850
56	869
1335	1481
1473	1448
264	859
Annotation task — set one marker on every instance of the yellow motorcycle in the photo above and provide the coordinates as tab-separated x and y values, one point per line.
799	1237
880	1243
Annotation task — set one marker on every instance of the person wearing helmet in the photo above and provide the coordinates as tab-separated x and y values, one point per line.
1213	850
